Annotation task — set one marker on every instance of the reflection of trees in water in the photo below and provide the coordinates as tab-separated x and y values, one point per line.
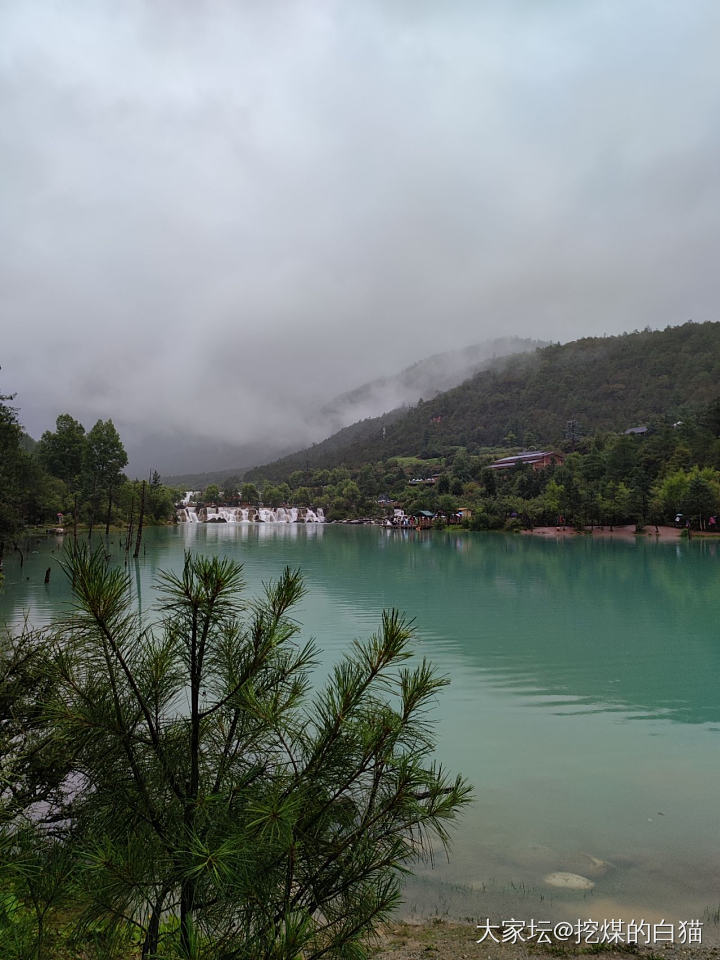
617	625
592	623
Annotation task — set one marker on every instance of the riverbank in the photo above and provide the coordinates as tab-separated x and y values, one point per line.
442	940
627	532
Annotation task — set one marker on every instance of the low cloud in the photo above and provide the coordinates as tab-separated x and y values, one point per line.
219	216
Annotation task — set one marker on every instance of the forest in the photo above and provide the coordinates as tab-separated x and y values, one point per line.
70	476
605	479
593	385
636	418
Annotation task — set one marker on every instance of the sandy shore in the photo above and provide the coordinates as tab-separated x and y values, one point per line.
615	533
441	940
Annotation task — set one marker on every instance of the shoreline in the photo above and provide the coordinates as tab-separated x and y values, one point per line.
442	939
625	532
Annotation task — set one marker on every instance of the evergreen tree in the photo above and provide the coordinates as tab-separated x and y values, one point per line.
218	807
17	477
62	453
105	458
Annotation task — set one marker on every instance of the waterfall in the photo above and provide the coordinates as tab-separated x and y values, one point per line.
188	514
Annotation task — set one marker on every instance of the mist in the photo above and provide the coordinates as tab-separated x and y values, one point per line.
218	217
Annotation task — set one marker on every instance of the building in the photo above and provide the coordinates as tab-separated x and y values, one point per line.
537	459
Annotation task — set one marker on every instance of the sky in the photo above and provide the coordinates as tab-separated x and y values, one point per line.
215	216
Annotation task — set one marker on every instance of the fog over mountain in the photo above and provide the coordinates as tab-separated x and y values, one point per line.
218	216
423	380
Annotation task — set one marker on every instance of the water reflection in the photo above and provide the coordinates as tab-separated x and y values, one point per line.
583	696
573	625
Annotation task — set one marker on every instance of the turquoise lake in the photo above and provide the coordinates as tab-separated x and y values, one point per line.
584	704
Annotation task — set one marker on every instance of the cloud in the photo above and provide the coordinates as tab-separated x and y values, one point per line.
218	215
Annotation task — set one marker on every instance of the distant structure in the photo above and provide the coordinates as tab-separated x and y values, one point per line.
635	430
573	432
537	459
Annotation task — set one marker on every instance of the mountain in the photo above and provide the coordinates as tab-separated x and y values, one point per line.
181	456
597	383
422	380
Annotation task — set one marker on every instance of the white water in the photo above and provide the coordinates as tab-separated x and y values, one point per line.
228	514
250	515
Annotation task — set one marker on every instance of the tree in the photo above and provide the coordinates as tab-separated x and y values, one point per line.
18	473
447	503
249	493
105	458
231	491
212	493
32	769
271	495
62	453
216	805
160	501
302	497
669	494
462	465
703	494
297	478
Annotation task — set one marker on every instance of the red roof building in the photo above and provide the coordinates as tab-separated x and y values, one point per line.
537	459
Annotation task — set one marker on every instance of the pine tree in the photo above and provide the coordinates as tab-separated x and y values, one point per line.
220	804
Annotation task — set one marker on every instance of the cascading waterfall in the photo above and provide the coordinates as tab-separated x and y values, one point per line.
190	514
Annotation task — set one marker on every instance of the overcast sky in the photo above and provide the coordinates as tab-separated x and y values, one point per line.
211	212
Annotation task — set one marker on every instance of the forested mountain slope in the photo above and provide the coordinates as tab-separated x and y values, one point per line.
600	383
424	379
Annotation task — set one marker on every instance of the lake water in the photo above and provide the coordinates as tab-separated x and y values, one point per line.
584	704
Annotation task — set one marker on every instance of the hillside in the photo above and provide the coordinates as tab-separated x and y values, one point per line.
215	460
424	379
601	383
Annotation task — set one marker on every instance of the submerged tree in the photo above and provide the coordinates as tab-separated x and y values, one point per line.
221	805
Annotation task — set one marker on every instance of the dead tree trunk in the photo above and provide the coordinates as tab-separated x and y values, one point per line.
131	524
109	510
140	522
93	505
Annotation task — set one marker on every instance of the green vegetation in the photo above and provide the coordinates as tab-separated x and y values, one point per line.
607	479
577	399
198	801
69	472
602	383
